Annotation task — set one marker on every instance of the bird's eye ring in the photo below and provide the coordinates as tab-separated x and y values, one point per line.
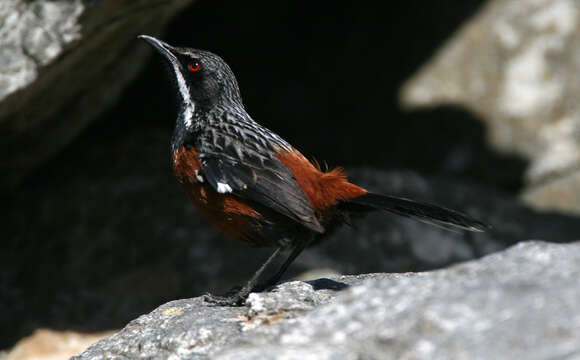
194	66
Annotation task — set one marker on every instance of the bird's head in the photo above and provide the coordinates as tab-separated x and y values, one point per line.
203	79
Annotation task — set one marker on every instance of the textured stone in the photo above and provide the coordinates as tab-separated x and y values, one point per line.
518	304
62	63
32	35
516	65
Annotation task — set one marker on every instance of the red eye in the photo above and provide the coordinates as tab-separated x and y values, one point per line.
194	66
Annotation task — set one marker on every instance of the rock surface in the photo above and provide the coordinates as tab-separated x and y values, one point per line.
33	35
518	304
516	64
61	64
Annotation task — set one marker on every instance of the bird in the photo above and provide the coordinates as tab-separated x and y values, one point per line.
254	186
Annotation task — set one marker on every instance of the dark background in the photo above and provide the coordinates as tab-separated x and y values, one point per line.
102	233
326	77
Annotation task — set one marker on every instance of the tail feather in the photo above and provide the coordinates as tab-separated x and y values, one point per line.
428	213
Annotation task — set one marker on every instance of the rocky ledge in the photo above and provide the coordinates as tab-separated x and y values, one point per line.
518	304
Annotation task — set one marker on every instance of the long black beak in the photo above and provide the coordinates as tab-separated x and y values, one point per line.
163	48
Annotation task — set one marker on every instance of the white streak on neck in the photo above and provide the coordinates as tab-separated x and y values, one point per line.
185	96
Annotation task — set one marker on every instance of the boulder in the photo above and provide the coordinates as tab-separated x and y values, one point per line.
518	304
62	64
516	64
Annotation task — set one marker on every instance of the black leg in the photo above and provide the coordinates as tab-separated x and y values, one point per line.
274	279
239	296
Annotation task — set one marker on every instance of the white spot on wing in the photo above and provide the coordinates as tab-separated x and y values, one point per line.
198	176
223	188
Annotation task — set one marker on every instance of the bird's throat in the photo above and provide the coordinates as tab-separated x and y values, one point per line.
186	115
183	132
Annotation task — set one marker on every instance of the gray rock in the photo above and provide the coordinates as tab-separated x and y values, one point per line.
516	65
518	304
62	63
33	34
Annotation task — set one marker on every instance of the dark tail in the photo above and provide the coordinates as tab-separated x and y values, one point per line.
431	214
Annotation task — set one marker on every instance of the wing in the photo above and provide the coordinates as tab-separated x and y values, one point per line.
264	180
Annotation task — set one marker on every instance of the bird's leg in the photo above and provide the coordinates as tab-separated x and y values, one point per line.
237	298
240	295
274	279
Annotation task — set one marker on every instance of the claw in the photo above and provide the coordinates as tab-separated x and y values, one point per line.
232	300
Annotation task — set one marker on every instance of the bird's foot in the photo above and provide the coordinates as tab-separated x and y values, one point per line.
225	300
235	297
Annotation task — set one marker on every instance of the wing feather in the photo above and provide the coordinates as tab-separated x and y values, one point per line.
266	181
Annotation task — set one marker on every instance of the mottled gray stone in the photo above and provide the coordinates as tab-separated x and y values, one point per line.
518	304
32	35
516	65
62	63
191	328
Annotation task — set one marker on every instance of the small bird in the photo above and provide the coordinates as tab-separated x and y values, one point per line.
253	185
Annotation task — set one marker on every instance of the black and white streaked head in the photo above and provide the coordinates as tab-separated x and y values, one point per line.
203	79
212	114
